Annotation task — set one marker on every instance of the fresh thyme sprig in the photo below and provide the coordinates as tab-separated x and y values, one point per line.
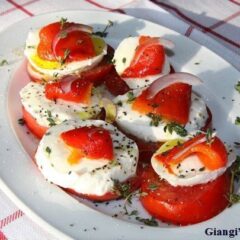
235	176
104	33
180	130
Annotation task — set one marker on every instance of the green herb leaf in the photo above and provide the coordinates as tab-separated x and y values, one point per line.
130	96
148	221
180	130
50	119
152	186
237	121
237	86
65	56
62	34
104	33
155	119
62	22
124	60
235	176
48	150
3	62
21	121
209	136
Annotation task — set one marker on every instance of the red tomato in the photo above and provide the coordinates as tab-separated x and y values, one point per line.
97	74
150	61
134	184
115	84
32	124
183	205
172	103
213	155
94	142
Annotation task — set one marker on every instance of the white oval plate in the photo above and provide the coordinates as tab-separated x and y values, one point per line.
52	208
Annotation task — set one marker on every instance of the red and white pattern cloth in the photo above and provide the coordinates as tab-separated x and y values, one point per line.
215	24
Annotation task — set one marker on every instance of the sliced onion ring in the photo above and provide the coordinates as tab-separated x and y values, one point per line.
72	28
170	79
66	82
110	109
200	140
153	41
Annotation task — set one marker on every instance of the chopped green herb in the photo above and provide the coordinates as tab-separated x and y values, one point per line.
152	186
237	86
133	213
65	56
62	34
237	121
148	221
201	169
62	22
55	75
50	119
31	47
155	119
21	121
130	96
209	135
119	103
104	33
180	130
124	60
235	176
3	62
48	150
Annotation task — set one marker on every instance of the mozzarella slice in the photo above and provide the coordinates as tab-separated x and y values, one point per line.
123	56
34	101
140	125
53	68
191	171
95	177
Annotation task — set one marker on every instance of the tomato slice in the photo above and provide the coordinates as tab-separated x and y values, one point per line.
32	124
150	60
93	142
213	155
73	46
183	205
115	84
79	91
172	103
134	184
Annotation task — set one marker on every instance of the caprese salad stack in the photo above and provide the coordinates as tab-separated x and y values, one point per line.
157	118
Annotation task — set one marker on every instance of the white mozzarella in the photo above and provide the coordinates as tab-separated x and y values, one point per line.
34	101
123	56
57	70
95	177
190	172
140	125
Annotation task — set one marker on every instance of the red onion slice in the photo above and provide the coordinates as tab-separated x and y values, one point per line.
170	79
152	41
200	140
72	28
66	82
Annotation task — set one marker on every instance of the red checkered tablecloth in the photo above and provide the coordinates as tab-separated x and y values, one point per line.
213	23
